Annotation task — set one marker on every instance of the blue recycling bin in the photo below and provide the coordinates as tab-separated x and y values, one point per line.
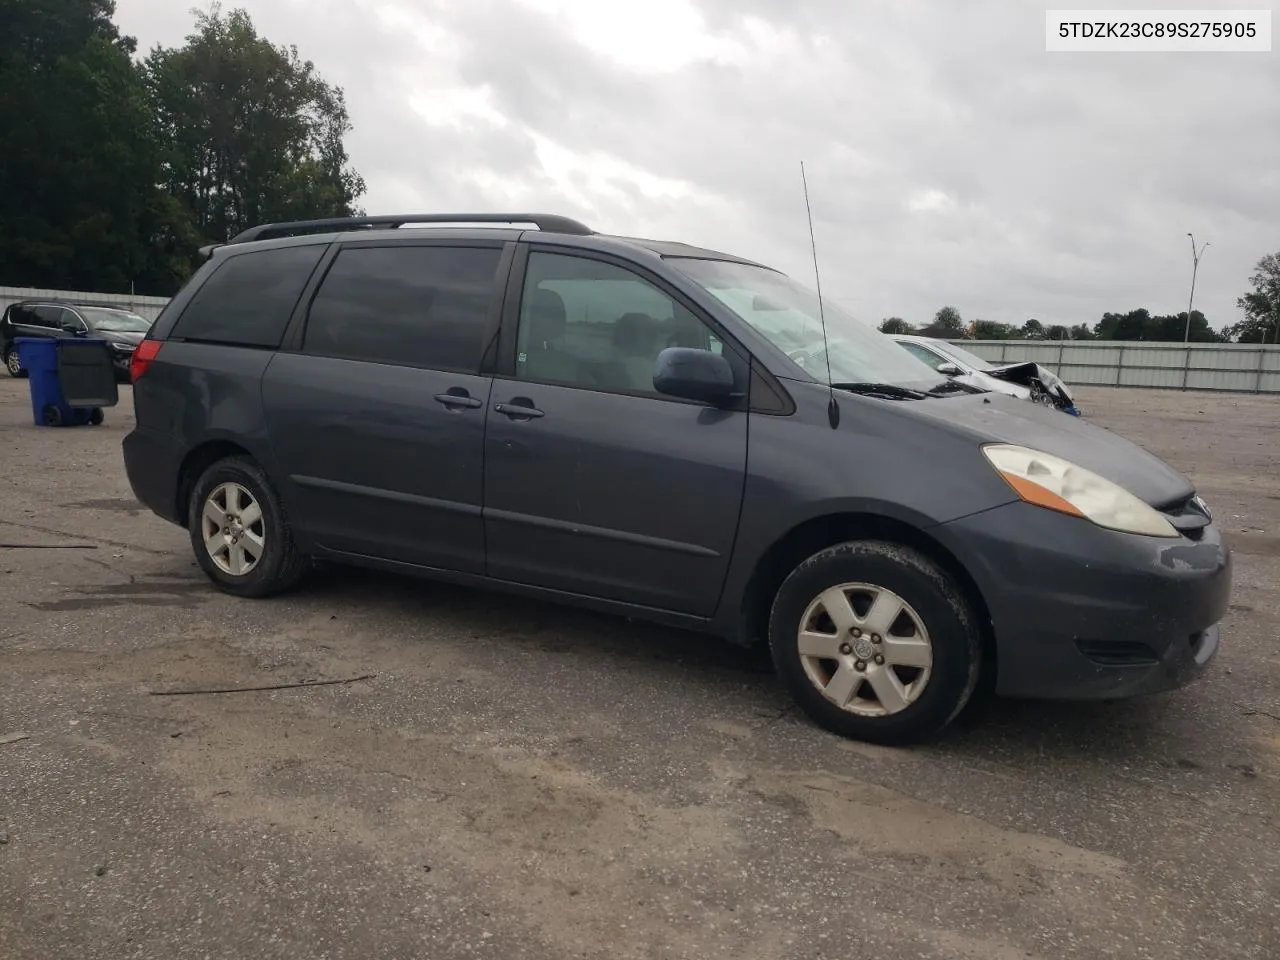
71	379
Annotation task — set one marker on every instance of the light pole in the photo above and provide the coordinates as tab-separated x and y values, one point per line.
1195	265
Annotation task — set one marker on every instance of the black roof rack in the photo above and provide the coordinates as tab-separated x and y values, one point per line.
550	223
66	302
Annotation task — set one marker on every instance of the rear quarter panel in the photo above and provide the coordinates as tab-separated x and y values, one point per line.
195	393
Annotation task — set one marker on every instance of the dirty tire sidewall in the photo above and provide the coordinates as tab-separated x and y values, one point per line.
282	564
941	605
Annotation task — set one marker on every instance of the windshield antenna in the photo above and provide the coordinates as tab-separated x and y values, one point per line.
833	409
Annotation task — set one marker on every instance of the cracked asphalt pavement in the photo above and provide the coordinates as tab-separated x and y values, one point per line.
518	780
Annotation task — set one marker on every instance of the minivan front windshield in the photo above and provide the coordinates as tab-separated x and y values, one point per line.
786	313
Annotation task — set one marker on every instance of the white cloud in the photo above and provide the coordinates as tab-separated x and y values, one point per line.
640	35
929	201
950	158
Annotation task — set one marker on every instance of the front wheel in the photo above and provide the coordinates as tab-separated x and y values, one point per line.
875	642
240	533
13	364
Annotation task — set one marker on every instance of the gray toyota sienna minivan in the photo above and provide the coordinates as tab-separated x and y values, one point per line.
665	432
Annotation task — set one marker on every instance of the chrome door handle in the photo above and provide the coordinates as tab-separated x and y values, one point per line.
519	411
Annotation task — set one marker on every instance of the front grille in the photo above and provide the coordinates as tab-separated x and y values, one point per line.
1118	653
1187	515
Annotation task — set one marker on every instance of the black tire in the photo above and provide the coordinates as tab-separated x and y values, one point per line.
11	361
939	604
52	416
96	416
281	566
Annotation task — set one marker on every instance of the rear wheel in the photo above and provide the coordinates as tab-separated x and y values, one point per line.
13	364
240	532
875	642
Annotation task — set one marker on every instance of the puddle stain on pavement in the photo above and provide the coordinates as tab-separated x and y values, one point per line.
186	593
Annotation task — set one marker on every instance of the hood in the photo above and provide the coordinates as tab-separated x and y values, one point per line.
985	381
995	418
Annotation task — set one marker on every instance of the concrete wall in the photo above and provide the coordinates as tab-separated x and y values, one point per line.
1234	367
148	307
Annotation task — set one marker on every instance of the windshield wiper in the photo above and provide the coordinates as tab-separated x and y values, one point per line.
954	386
890	390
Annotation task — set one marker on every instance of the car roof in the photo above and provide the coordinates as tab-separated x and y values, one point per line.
41	302
675	248
553	227
941	343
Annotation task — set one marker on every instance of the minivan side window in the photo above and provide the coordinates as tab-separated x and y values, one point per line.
591	324
423	306
50	317
24	316
69	318
249	299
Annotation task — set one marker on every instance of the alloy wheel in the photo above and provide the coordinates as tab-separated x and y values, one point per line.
865	649
232	528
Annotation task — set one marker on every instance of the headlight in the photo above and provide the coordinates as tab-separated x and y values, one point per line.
1049	481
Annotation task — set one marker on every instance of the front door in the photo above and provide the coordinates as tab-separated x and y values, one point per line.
596	484
377	422
70	324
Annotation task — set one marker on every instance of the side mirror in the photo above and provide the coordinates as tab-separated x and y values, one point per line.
72	328
693	375
949	370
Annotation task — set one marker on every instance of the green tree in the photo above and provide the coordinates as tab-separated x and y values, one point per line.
1033	329
991	330
1261	305
896	325
79	203
1081	331
1123	326
1057	332
1174	327
947	323
253	133
948	318
1141	325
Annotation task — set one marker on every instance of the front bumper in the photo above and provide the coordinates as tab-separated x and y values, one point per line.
1079	612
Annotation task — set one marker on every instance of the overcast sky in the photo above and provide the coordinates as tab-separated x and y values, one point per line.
951	160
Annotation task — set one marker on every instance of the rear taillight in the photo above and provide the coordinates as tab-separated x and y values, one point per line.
147	351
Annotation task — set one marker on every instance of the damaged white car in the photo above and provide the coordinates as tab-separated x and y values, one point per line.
1025	380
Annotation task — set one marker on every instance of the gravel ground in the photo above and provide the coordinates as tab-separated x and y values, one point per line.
518	780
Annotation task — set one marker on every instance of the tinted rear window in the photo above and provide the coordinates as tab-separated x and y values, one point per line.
23	315
422	306
249	298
